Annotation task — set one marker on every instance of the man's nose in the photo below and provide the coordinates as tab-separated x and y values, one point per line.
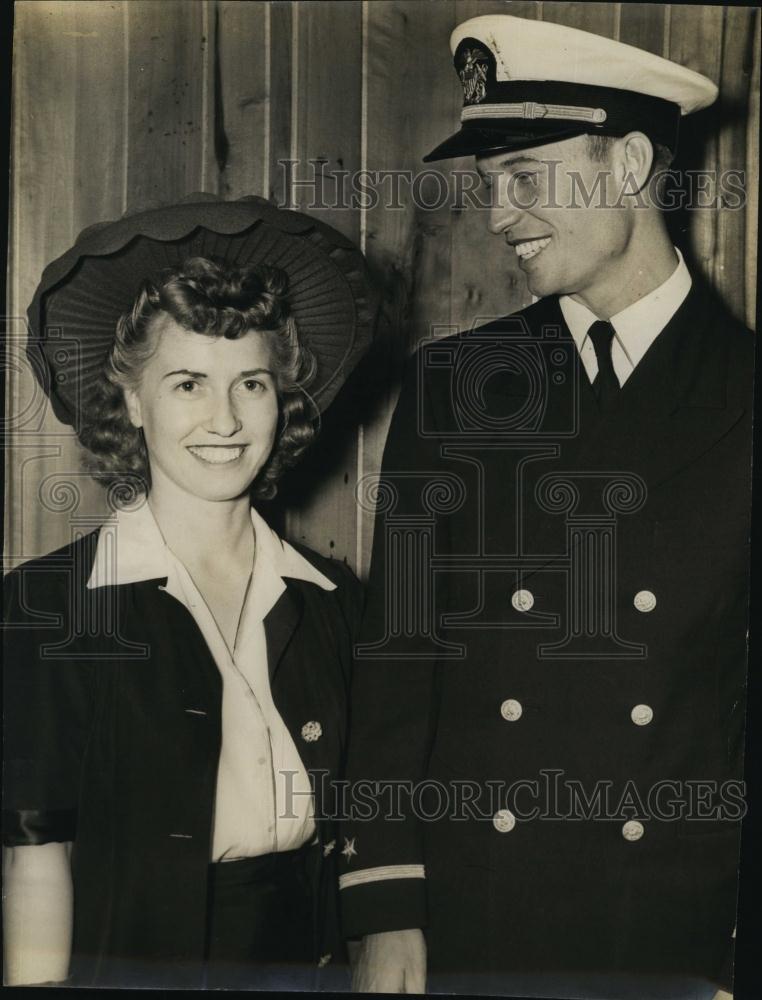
503	213
223	419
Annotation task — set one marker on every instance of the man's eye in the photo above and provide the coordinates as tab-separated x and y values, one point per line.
525	177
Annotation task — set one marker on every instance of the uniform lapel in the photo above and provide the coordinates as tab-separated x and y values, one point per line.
672	410
568	406
674	406
281	623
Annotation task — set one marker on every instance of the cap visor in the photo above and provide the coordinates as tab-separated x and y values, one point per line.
499	136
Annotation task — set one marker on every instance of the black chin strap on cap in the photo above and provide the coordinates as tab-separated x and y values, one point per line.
597	110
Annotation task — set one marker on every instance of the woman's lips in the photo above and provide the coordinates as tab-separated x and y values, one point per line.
214	454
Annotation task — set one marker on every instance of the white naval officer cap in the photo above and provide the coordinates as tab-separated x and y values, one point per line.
527	83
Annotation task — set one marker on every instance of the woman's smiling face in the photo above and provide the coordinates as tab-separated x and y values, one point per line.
208	407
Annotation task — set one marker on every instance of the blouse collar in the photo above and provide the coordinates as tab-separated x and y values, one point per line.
131	549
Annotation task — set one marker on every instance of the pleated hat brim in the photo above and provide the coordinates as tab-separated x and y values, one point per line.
83	293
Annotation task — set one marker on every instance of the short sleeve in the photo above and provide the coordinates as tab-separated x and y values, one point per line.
47	701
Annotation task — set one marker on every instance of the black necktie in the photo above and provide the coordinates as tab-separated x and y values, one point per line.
606	384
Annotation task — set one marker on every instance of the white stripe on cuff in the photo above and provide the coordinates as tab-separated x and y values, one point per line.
381	874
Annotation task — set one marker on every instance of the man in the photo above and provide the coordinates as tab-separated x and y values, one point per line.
548	701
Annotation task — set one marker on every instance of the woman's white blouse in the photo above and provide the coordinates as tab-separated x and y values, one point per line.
263	799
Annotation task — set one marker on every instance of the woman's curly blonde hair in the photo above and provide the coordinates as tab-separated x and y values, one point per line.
215	299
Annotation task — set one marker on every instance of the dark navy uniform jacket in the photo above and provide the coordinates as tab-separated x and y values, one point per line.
558	596
112	718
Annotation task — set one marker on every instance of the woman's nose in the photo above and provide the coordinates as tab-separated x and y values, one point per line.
223	419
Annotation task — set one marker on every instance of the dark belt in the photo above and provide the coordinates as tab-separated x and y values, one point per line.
243	871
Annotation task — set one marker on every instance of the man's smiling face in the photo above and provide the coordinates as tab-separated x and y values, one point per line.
566	242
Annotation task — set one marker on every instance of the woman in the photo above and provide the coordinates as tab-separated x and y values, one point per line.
176	681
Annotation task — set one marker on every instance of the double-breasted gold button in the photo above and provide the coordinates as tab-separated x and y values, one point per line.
522	600
641	715
504	821
511	710
633	830
644	601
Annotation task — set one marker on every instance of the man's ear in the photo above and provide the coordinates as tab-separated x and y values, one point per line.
133	407
637	156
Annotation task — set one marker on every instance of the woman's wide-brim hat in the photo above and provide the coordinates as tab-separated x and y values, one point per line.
83	293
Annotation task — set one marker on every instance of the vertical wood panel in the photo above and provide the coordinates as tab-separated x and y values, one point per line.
728	275
696	35
752	177
252	127
281	71
600	18
170	102
411	104
327	88
44	112
327	106
98	115
43	225
643	25
68	121
242	51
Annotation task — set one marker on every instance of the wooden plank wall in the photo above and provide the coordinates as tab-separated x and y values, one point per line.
121	105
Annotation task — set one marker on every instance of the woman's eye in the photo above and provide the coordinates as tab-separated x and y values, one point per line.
189	386
253	385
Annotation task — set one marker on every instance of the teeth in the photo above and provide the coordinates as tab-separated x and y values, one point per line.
531	248
216	456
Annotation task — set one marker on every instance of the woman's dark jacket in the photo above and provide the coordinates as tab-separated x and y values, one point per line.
113	732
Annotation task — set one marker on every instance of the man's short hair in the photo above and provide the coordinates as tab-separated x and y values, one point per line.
598	149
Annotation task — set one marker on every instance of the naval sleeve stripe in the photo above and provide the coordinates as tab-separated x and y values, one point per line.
382	874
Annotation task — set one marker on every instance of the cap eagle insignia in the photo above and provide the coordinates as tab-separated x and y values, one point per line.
473	74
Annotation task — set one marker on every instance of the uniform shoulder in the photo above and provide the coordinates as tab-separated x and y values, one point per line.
742	339
742	344
731	332
530	319
430	378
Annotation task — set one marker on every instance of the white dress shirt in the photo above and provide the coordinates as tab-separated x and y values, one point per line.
635	328
263	798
